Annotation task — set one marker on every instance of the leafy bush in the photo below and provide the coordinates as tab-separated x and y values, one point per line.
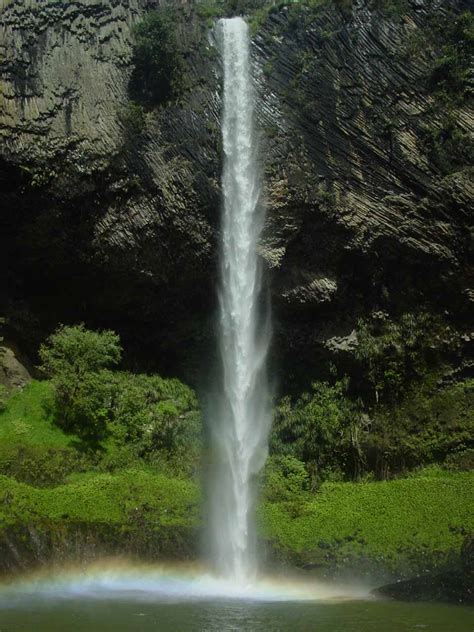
317	428
102	498
75	359
77	351
39	465
157	59
285	478
460	461
410	524
395	415
133	119
451	76
447	145
428	426
392	8
394	353
152	413
97	404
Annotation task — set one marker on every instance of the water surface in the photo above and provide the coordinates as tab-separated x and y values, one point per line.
79	615
122	595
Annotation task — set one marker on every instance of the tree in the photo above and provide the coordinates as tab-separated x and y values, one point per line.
146	413
157	59
76	359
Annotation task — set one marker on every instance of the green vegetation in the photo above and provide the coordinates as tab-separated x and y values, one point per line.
316	429
133	118
89	417
451	76
447	145
392	8
395	353
29	418
97	448
75	358
415	522
158	68
396	413
123	415
102	499
338	439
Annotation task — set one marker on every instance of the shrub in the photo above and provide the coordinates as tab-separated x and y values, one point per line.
447	145
133	119
153	413
394	353
451	76
39	465
316	428
285	478
75	359
158	61
392	8
79	351
428	426
147	413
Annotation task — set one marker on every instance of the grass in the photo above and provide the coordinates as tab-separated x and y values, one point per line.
102	499
411	523
394	521
28	433
28	419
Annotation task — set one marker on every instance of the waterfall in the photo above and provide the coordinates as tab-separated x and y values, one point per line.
241	421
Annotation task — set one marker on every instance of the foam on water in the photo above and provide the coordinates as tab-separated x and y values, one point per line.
166	583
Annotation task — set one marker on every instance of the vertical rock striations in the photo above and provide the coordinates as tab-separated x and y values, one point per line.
113	220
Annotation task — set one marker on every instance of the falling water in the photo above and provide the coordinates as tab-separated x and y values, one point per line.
242	420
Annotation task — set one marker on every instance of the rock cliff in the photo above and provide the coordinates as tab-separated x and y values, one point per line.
115	223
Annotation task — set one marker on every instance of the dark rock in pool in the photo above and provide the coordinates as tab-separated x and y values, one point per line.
451	587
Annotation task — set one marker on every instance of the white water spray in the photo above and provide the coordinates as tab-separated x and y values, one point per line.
241	423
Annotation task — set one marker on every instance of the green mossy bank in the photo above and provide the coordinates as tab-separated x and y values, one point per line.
401	526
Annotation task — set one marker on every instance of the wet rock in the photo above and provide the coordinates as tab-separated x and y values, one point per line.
450	587
14	374
455	586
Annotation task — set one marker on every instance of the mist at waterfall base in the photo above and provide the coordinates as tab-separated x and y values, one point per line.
110	597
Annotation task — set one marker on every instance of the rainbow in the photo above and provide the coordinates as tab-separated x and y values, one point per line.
127	581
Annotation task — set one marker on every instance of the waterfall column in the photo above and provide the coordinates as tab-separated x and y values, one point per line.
241	421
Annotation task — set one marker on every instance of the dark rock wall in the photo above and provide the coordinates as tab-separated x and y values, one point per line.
117	226
100	221
360	219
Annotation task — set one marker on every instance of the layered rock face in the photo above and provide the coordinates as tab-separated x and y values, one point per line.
100	221
360	218
116	225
